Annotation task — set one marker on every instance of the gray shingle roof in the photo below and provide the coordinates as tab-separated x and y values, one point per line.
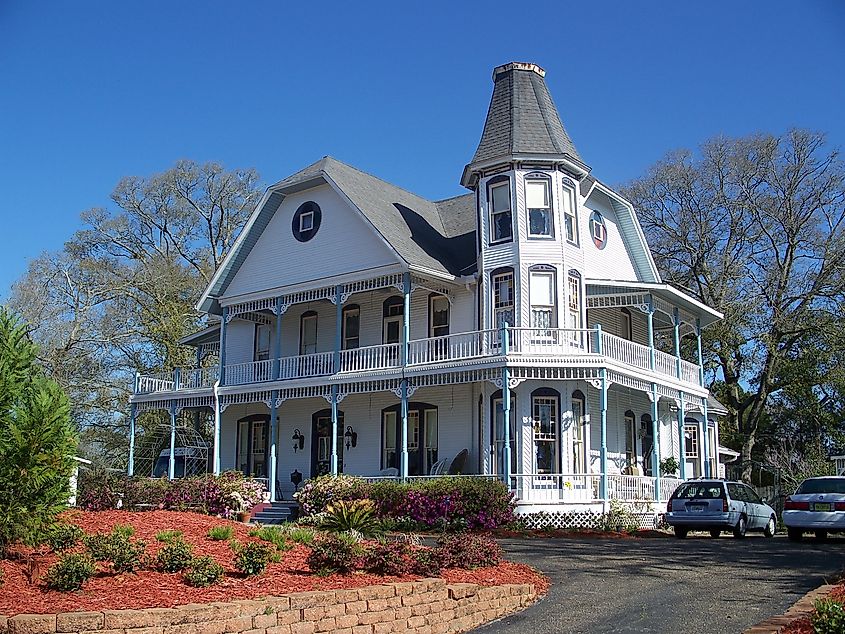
522	118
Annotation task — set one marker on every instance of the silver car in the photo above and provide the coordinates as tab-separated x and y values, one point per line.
817	506
716	506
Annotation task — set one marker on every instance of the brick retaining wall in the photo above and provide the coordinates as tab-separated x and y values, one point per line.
429	606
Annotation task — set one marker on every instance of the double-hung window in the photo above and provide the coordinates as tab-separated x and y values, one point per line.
308	333
501	220
439	315
538	203
545	413
503	299
570	218
351	327
578	451
542	296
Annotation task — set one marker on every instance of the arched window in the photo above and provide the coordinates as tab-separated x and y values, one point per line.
502	285
351	327
545	410
393	316
579	450
500	206
423	437
308	332
538	203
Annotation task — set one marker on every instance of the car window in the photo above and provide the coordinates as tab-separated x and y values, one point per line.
700	491
736	492
752	496
824	485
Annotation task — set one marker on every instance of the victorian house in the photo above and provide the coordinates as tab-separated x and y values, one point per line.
519	331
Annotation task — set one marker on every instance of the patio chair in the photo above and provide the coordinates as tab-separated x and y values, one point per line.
438	468
458	462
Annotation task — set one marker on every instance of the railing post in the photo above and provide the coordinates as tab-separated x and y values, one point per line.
222	356
603	448
133	412
655	451
177	378
277	345
506	407
334	431
650	321
171	468
677	330
338	330
274	412
683	440
705	442
403	458
216	448
599	345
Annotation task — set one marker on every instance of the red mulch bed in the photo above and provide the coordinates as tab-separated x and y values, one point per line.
149	588
802	625
577	533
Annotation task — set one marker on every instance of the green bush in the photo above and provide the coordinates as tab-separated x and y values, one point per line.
169	535
299	534
273	535
317	493
220	533
252	558
70	572
175	556
203	572
829	617
387	558
355	516
427	562
64	536
124	530
37	440
469	551
335	552
122	553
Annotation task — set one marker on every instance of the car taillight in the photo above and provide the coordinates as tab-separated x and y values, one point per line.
793	505
839	506
669	506
724	506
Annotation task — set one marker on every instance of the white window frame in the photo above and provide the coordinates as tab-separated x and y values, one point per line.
309	216
579	454
631	453
440	330
691	440
547	184
262	333
550	436
389	421
345	338
304	345
493	213
573	301
503	308
570	216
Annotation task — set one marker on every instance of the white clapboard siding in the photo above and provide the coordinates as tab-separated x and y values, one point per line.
344	243
614	261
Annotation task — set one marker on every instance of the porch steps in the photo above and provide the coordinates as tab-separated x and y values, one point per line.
276	513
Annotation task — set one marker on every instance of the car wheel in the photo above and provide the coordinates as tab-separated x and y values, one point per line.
771	528
821	535
715	533
681	532
794	534
741	527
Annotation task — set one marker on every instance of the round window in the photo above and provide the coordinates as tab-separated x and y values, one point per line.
306	221
598	230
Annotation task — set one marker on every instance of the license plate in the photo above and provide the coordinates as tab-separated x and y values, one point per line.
822	506
696	509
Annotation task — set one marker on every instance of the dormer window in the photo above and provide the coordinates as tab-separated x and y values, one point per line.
538	203
501	218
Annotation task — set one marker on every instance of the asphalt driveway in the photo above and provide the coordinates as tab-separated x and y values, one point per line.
667	585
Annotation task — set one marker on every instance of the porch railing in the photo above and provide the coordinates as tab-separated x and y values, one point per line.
464	345
545	488
370	358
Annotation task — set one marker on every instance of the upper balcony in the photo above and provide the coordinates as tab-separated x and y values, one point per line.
552	346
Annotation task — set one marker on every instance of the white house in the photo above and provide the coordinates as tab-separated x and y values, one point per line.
410	330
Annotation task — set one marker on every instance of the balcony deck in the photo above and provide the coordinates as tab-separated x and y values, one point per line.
590	346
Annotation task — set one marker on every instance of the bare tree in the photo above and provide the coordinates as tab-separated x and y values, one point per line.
753	227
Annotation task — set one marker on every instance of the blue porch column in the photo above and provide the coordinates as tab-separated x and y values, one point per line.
682	440
700	355
650	323
338	327
603	419
216	400
334	431
274	412
506	407
222	356
277	344
133	413
403	459
677	332
655	432
705	442
171	469
406	316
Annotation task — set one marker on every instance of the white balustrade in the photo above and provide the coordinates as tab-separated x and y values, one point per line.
667	487
251	372
317	364
197	378
160	382
625	351
552	341
371	358
548	488
689	372
630	488
464	345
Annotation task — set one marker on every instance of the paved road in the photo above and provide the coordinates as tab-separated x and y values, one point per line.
697	585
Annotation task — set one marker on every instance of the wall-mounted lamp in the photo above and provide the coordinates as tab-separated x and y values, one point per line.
296	479
351	437
297	440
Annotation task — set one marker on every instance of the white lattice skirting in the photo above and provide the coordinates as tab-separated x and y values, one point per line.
592	520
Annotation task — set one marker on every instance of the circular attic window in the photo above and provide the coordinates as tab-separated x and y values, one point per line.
306	221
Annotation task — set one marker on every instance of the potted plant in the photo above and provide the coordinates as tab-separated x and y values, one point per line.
669	466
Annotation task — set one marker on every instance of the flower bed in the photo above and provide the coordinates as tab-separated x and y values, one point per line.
154	588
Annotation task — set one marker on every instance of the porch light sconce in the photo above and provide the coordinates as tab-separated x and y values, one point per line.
351	437
296	479
297	440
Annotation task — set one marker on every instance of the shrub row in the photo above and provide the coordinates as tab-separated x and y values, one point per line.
455	503
224	495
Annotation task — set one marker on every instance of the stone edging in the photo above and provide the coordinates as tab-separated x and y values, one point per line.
428	606
802	607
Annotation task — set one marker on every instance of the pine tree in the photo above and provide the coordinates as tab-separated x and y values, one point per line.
37	440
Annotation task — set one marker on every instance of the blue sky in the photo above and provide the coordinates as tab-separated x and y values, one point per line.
91	91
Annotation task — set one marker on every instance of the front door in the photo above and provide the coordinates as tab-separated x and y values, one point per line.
252	458
321	445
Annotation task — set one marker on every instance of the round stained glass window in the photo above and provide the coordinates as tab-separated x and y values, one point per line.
598	230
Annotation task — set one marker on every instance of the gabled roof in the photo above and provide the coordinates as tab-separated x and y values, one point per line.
425	235
522	118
